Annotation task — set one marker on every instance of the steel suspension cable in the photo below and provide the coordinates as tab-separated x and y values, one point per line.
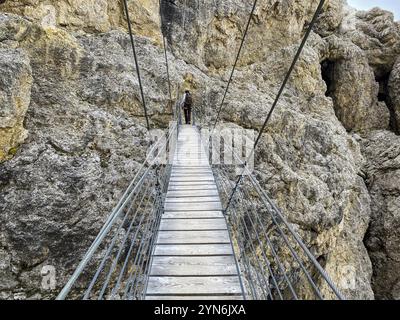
167	68
273	208
274	254
110	247
235	64
266	260
283	85
239	243
116	212
246	195
136	63
165	55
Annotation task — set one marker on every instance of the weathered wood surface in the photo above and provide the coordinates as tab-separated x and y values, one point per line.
194	186
193	250
192	214
193	256
192	193
219	285
203	236
193	224
193	266
190	206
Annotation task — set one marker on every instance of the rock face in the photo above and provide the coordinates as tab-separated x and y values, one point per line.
394	95
91	16
382	152
207	33
377	34
356	105
74	133
15	92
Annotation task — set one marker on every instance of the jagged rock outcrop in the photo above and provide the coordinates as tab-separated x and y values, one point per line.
382	169
91	16
330	18
394	95
76	160
377	34
86	134
15	91
207	33
351	84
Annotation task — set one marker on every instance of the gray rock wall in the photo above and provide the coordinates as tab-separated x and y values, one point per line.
74	127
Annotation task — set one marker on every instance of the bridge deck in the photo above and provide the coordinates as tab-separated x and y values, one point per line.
193	256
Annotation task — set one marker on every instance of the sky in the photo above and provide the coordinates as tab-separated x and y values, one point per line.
390	5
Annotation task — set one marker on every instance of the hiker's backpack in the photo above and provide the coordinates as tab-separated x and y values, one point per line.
188	101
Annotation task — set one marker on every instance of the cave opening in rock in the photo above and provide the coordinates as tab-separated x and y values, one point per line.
328	73
383	96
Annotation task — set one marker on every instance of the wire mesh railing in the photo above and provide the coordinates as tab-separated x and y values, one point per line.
116	264
275	263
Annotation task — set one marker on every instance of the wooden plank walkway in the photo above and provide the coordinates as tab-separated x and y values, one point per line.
193	256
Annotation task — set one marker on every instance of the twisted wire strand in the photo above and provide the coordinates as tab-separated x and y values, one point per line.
133	187
235	64
282	87
136	63
274	214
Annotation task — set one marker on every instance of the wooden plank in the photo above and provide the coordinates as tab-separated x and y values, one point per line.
191	174
201	158
182	169
193	186
190	152
192	183
193	266
190	187
192	179
193	224
191	285
195	148
170	199
189	156
196	172
227	297
178	160
192	214
189	237
177	174
193	193
183	158
187	206
191	162
190	250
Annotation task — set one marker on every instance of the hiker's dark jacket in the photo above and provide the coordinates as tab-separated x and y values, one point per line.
187	104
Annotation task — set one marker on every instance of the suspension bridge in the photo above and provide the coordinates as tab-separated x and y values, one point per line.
188	229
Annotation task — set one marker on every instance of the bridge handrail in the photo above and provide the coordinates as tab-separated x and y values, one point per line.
270	203
135	184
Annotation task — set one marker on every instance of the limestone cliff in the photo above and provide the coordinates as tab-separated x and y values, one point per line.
72	127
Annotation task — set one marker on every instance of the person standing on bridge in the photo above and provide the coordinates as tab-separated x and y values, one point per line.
187	106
